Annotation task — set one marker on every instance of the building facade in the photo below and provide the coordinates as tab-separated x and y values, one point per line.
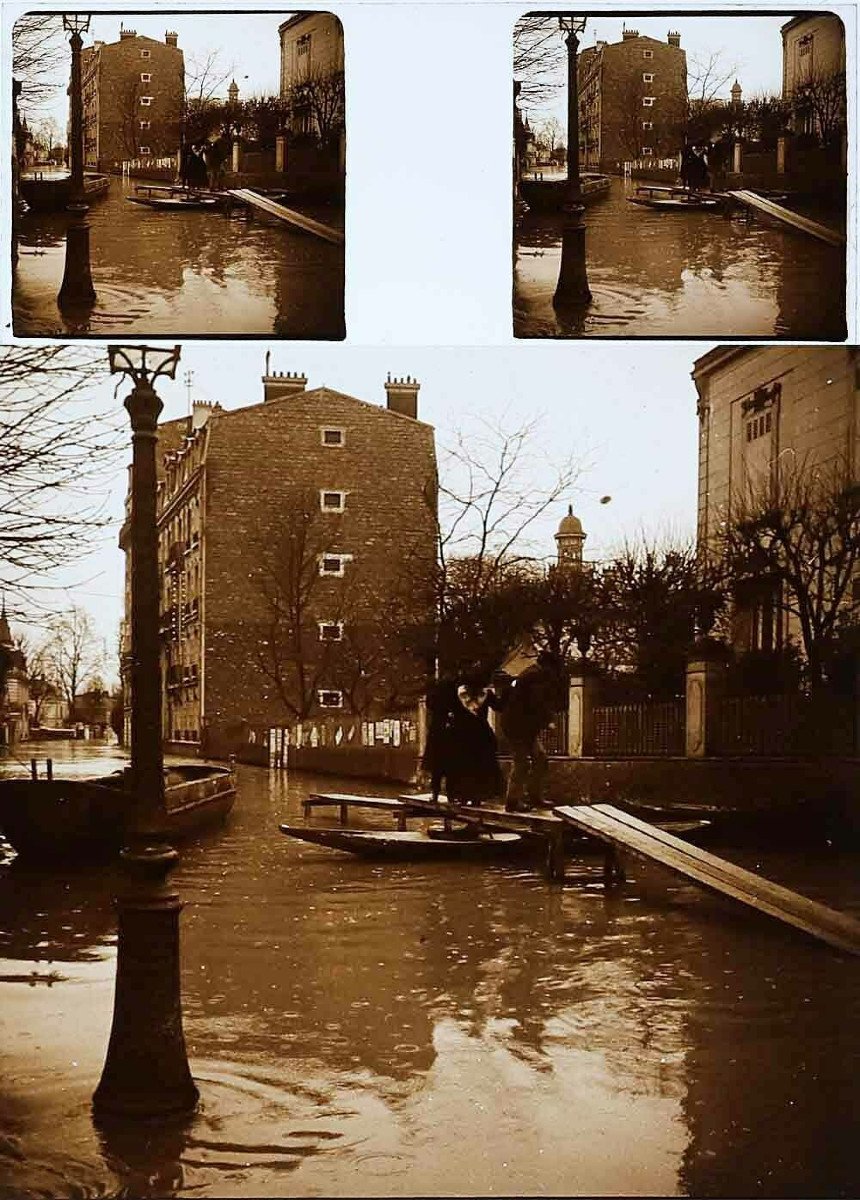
296	536
312	76
813	75
765	411
14	688
133	93
632	100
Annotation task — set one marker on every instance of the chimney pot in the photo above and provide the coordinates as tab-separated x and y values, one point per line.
402	395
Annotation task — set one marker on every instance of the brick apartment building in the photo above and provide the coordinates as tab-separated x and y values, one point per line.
295	536
632	100
762	410
133	93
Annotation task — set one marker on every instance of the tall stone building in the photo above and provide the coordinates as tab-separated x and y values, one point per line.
632	100
14	688
133	92
766	410
312	71
297	536
813	74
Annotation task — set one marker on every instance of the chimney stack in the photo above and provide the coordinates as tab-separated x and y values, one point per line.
402	395
171	38
674	38
280	386
126	33
628	34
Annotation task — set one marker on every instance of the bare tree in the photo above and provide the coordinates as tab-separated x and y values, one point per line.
819	101
540	57
39	54
75	653
708	75
800	530
318	98
56	452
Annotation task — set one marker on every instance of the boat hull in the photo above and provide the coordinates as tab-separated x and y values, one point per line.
173	203
406	845
550	195
85	819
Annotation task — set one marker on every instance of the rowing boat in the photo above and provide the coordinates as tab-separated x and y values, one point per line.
406	844
174	203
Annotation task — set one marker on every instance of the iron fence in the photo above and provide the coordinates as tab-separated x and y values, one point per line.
784	725
651	728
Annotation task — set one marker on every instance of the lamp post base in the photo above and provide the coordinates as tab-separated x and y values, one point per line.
77	289
572	287
146	1073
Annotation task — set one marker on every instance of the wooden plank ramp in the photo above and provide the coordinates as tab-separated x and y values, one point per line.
787	217
620	829
344	801
288	215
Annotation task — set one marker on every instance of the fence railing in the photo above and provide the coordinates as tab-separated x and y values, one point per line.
782	725
631	730
343	733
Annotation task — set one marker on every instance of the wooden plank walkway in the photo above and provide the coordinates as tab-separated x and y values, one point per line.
621	830
344	801
289	215
786	217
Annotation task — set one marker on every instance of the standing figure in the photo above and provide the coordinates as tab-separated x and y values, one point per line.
687	157
533	700
461	747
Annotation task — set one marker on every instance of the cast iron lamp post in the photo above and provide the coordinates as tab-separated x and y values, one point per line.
77	289
572	287
146	1071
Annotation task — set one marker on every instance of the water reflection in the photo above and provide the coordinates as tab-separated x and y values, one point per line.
358	1028
680	274
198	272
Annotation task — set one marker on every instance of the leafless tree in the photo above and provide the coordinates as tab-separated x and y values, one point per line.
39	54
319	95
707	77
56	452
800	529
75	653
819	101
540	57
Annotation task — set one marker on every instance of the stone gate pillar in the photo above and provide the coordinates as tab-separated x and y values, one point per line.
705	688
737	158
280	153
582	696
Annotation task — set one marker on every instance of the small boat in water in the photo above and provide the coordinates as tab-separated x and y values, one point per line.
87	818
406	845
175	203
550	195
675	199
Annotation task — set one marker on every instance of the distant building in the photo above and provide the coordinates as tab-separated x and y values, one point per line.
760	407
813	74
632	100
14	691
133	93
312	72
288	530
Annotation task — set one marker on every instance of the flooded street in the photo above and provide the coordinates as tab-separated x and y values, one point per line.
680	274
182	273
437	1028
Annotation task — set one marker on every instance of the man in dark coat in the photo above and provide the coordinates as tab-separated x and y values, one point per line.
532	701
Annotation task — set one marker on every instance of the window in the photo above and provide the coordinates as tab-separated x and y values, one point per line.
303	45
334	564
332	436
646	151
647	101
332	501
331	631
330	698
146	77
146	101
144	124
144	150
759	426
647	53
646	78
146	54
647	124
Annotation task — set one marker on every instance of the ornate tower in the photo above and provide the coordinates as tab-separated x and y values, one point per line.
570	540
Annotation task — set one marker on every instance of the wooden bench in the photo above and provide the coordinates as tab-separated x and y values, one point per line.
344	802
620	830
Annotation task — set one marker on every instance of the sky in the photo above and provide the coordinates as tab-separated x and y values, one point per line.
625	413
749	48
247	47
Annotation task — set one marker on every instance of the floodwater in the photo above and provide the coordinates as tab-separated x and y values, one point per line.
441	1029
680	274
181	273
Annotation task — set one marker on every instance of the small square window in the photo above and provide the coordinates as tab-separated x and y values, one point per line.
646	78
331	631
332	436
330	698
332	501
145	77
145	150
146	54
334	564
144	124
647	53
647	151
647	101
146	101
647	124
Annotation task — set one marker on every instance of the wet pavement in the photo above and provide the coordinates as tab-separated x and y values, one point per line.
189	273
680	274
442	1029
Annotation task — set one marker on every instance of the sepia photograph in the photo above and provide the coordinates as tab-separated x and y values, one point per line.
178	174
497	762
680	175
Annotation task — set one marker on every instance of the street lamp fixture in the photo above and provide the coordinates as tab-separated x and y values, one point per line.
572	288
146	1072
76	291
